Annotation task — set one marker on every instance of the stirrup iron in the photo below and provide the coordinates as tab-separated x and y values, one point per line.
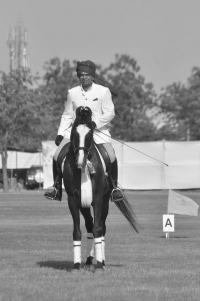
121	197
51	190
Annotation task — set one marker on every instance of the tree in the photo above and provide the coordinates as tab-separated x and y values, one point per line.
58	79
193	118
179	106
134	101
21	112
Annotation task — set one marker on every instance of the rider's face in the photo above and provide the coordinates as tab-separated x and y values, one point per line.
86	80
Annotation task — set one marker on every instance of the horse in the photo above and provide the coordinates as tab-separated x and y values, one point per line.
83	155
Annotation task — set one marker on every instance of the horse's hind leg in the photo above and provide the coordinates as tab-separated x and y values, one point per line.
77	235
86	212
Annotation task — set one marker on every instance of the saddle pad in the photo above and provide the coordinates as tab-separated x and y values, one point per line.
63	153
102	160
102	150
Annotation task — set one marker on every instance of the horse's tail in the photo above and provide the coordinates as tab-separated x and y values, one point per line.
127	210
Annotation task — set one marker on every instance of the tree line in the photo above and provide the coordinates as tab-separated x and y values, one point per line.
31	106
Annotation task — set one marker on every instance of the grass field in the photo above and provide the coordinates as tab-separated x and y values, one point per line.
36	252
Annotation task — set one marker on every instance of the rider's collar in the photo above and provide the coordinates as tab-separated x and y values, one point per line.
90	88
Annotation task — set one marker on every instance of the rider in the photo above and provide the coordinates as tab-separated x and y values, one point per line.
99	99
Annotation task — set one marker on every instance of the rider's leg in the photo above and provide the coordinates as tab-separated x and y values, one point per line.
55	192
117	194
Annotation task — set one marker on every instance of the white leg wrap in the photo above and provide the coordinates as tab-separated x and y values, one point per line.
77	251
90	245
103	247
98	249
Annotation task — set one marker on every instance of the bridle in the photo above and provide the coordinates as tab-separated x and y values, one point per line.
83	116
87	151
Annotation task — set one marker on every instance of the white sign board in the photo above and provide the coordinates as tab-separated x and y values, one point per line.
168	223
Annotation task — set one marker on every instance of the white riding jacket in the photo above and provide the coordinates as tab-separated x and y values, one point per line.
99	100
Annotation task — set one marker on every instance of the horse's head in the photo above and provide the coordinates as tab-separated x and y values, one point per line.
82	135
83	115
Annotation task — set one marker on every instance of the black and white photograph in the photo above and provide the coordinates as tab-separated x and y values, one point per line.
99	150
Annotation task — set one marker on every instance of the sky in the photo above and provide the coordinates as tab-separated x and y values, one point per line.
163	36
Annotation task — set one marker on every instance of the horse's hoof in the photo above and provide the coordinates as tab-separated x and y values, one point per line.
89	268
89	260
89	265
100	266
76	267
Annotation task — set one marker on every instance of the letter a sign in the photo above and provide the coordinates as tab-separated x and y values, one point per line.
168	223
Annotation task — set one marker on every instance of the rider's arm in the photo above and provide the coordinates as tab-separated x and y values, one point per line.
66	118
108	110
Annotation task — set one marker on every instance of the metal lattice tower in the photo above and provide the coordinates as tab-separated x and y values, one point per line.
17	44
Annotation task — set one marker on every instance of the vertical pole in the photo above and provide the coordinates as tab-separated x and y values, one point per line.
122	165
11	173
40	172
163	166
16	168
16	160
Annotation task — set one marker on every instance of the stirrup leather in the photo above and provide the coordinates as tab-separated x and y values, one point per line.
120	196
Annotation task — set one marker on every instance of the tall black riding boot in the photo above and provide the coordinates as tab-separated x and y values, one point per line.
117	194
55	192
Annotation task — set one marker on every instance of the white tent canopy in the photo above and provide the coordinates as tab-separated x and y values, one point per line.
20	160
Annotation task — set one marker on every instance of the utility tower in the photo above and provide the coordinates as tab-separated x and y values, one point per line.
17	44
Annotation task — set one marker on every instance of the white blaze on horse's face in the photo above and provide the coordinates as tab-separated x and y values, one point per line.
82	130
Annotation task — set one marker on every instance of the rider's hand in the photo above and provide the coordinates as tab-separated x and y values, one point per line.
59	139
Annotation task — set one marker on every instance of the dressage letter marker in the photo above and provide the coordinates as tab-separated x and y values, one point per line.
168	224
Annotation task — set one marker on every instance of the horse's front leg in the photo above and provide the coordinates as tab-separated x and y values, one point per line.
77	235
89	224
105	209
98	229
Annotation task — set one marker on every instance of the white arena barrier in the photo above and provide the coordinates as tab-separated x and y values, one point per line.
139	172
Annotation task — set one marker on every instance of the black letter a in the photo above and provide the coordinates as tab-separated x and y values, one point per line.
168	223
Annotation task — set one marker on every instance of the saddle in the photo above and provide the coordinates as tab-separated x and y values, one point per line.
64	151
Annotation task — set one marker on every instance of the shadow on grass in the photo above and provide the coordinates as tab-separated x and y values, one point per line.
114	265
174	237
57	265
66	265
